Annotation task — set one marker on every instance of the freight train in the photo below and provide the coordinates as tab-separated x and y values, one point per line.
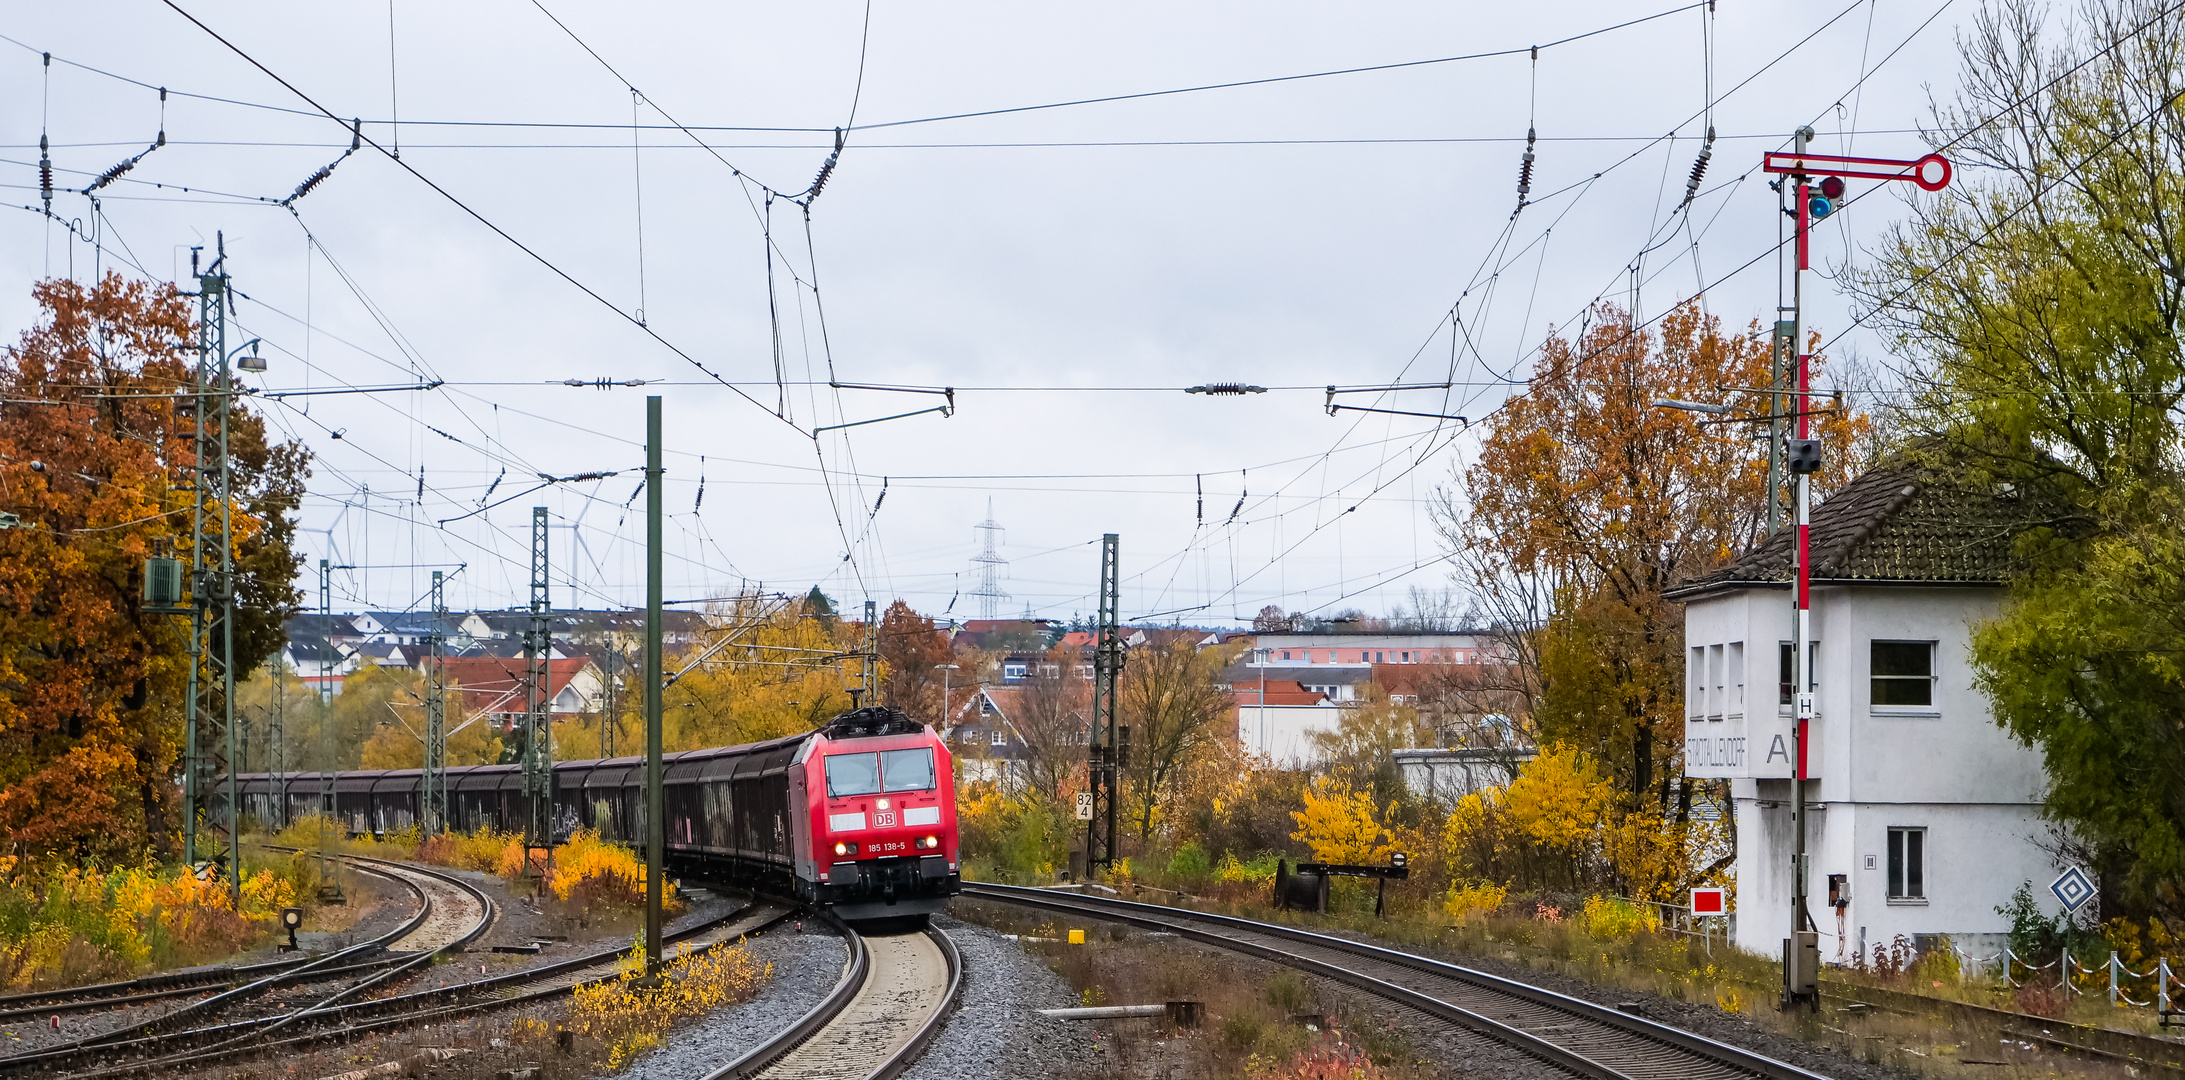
858	817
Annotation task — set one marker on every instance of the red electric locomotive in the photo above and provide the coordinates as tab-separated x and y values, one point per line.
858	817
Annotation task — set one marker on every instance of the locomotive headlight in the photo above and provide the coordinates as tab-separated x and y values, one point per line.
929	842
883	804
845	849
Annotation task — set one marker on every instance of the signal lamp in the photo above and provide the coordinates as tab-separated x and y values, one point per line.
1832	186
1820	207
291	918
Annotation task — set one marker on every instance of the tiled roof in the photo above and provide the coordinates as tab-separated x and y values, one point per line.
495	684
1900	523
1279	692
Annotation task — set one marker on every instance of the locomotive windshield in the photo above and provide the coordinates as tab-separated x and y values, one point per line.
870	774
908	770
853	774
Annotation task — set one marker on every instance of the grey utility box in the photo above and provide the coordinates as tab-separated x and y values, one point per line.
162	584
1802	964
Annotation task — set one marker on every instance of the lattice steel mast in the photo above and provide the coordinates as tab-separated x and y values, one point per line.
538	738
276	738
869	660
209	729
329	746
1105	758
432	802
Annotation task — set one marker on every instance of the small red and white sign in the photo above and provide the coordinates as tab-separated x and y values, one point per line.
1710	902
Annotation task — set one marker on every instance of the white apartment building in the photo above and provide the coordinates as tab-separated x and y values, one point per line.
1923	815
1391	647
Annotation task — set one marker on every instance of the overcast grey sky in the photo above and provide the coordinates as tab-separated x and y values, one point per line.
1067	269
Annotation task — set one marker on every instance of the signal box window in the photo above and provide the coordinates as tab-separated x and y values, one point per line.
853	774
1907	864
1904	672
907	770
1788	678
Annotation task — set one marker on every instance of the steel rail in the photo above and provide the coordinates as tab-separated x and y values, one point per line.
148	1034
909	1053
1181	922
856	968
488	913
422	1006
228	997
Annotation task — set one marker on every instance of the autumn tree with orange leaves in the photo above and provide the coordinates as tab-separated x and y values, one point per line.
910	648
1587	502
94	464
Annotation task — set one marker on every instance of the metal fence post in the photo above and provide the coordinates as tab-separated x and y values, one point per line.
2112	977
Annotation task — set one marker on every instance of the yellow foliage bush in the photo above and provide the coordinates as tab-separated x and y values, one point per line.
589	871
1338	824
86	920
514	861
1467	902
1559	799
480	850
1257	872
1613	917
631	1019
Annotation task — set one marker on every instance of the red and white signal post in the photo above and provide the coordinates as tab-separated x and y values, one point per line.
1801	951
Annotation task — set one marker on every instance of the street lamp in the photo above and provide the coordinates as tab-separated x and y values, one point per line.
944	669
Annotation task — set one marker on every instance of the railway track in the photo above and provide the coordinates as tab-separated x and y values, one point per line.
236	983
895	994
339	1016
450	914
1572	1036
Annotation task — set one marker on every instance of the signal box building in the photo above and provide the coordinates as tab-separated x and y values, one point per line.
1923	815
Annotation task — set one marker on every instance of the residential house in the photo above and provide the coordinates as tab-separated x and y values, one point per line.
985	742
458	629
319	663
496	686
386	654
1923	815
340	629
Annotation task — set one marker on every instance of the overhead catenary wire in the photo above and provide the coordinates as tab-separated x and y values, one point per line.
1239	501
467	209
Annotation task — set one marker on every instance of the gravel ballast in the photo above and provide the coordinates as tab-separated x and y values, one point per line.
996	1031
806	967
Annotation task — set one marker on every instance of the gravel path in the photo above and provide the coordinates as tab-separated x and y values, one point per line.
806	966
995	1031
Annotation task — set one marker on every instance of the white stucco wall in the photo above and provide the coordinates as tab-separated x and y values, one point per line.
1945	768
1283	733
